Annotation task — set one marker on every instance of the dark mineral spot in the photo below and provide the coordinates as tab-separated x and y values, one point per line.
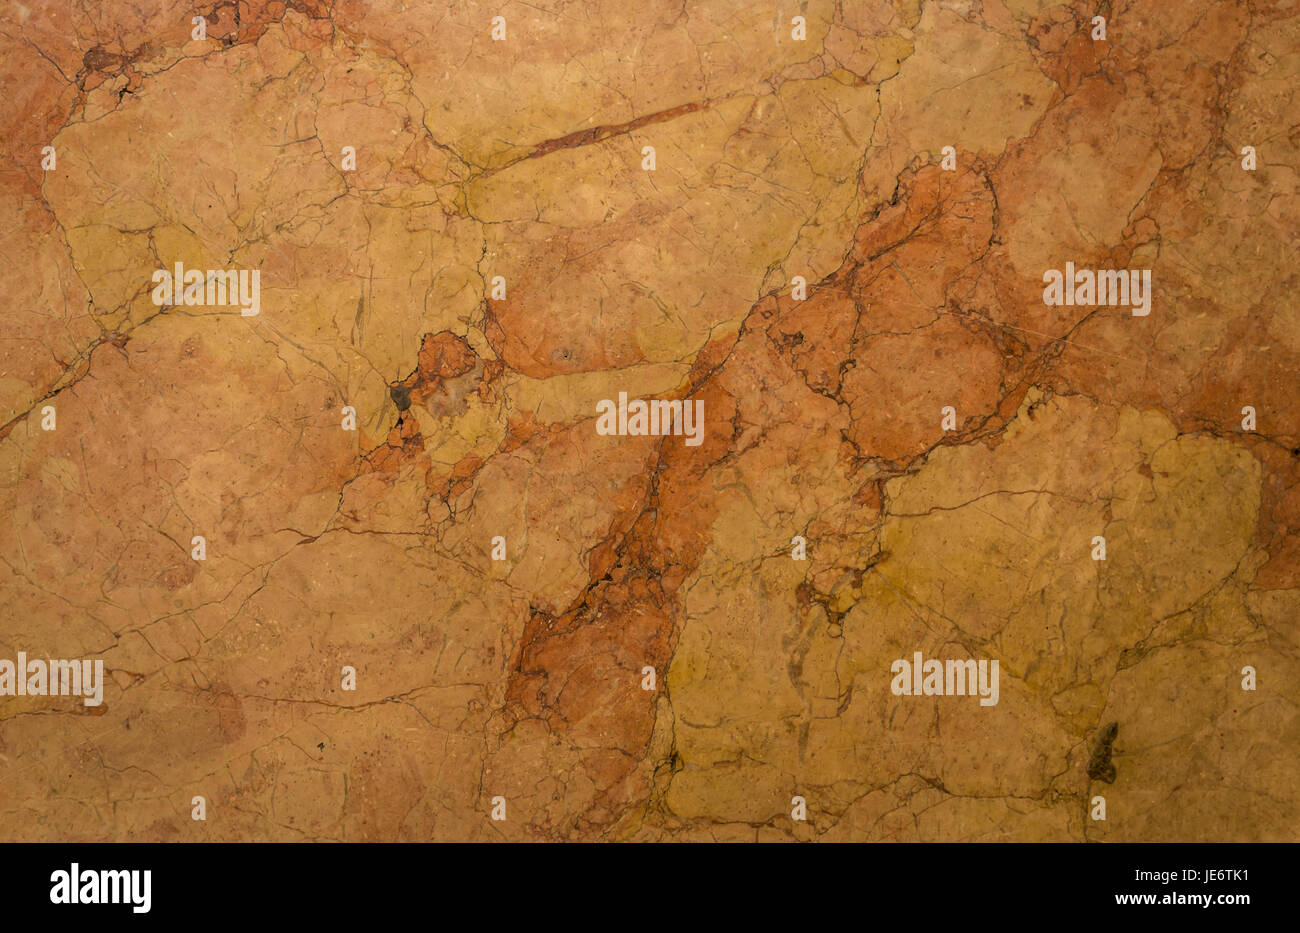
1100	767
401	397
100	59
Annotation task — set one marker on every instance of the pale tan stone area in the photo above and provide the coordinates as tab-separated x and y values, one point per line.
496	574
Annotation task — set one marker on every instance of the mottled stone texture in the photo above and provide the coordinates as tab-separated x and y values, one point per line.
475	418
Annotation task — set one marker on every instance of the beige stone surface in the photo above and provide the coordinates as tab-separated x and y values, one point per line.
522	678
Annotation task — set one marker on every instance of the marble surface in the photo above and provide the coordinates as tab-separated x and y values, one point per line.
475	412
